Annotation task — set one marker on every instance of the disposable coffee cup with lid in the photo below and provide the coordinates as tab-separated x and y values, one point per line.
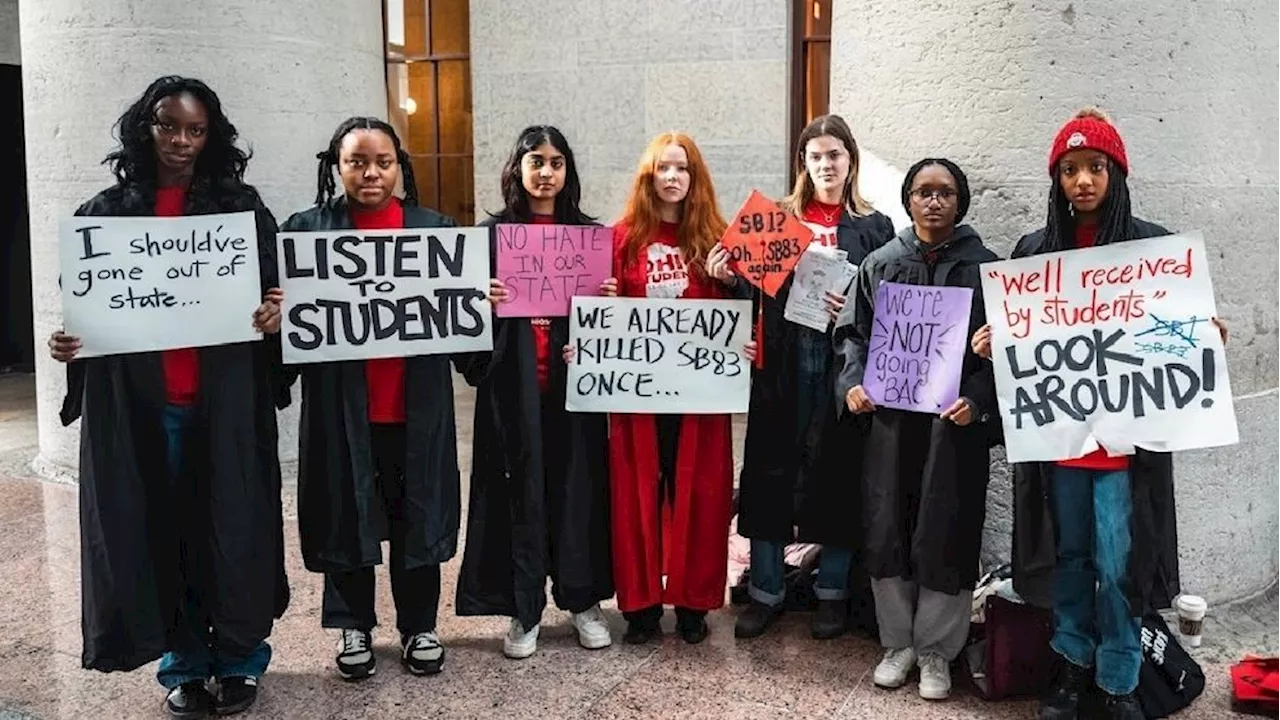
1191	610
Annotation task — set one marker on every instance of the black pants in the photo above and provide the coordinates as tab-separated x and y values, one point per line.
348	601
668	429
555	469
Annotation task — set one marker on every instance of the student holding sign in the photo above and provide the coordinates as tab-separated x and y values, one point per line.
787	479
539	475
924	475
1104	524
181	531
672	475
378	456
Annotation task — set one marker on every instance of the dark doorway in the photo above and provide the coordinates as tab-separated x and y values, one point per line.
16	342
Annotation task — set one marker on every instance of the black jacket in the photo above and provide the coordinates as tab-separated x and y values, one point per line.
539	501
145	539
341	521
924	479
787	480
1153	557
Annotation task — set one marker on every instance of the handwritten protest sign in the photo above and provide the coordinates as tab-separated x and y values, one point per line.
765	242
645	355
356	295
821	270
919	336
1109	346
545	265
140	284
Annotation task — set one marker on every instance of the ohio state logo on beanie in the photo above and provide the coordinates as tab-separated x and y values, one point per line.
1076	140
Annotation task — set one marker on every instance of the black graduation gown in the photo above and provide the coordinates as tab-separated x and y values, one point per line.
784	484
1152	581
145	538
924	479
529	480
341	522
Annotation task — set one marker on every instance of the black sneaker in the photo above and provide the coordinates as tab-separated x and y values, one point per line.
1062	701
1123	707
235	695
831	620
423	654
189	700
643	625
355	655
756	619
692	625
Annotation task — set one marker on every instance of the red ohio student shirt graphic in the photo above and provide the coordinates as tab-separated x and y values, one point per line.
667	273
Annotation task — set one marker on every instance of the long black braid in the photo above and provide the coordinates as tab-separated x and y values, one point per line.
326	186
1115	216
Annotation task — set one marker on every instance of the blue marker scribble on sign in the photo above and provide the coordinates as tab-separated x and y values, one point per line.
1181	335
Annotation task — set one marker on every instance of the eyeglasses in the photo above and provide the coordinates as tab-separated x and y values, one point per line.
942	195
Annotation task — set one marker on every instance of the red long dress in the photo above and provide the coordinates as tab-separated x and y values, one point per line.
687	539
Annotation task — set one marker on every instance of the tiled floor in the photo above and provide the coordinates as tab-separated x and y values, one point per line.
782	675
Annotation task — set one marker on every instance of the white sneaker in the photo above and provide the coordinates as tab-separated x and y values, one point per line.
519	644
894	668
423	654
355	655
593	629
935	677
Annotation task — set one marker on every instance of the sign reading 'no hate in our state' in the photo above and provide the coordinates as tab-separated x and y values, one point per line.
543	266
143	284
1111	346
357	295
648	355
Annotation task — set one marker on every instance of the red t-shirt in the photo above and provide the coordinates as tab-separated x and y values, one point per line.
181	366
384	377
822	219
1098	460
542	329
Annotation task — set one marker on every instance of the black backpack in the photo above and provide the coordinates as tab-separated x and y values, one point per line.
1169	679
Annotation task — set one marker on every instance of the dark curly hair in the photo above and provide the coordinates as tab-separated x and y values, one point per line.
516	198
220	165
325	184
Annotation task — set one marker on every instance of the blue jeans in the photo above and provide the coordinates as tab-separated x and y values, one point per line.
768	565
194	655
1093	623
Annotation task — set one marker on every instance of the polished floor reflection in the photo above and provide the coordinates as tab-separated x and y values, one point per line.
782	675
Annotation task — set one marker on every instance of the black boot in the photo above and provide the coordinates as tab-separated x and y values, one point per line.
756	619
643	625
831	620
692	625
1062	701
1123	707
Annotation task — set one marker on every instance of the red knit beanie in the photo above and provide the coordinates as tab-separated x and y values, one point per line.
1090	129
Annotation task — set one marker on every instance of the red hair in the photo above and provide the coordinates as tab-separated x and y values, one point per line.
701	224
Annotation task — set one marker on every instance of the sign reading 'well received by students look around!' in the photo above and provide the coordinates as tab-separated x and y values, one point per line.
649	355
143	284
1111	346
357	295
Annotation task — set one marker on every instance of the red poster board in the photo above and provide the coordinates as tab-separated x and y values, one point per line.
765	242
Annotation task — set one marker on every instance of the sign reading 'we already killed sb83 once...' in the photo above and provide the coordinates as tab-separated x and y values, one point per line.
357	295
765	242
919	336
142	284
545	265
649	355
1110	346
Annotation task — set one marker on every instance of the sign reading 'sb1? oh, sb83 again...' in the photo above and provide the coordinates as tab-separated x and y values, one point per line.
650	355
356	295
1112	346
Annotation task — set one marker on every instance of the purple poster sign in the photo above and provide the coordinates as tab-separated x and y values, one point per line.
543	266
918	340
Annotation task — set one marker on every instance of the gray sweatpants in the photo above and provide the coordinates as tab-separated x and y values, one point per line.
919	618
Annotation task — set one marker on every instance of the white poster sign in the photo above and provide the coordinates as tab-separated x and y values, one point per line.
362	294
821	270
1108	347
142	284
648	355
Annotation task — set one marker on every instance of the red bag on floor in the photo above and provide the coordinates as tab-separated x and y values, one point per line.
1255	686
1012	658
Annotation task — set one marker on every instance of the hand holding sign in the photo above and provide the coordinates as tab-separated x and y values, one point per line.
765	242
